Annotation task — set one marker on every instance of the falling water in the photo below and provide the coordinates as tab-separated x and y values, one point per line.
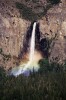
25	68
32	45
32	49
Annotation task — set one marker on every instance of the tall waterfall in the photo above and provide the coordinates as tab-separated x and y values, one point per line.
31	64
32	43
32	48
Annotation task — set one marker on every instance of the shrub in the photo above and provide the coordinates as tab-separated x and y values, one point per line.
1	50
54	1
44	65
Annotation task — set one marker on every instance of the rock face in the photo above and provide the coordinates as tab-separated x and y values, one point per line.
13	28
54	25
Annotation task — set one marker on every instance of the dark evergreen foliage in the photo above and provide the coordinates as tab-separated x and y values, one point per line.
47	84
55	1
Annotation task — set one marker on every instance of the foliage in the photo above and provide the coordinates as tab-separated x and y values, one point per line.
35	1
1	51
54	1
6	57
2	73
45	66
29	14
48	85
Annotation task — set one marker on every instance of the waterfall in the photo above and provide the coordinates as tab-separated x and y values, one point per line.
32	43
31	64
32	48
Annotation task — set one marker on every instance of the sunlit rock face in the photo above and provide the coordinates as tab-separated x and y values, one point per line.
53	27
12	31
13	28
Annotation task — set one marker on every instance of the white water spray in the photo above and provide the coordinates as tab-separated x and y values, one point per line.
30	65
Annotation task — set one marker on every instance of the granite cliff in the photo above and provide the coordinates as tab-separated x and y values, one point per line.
14	23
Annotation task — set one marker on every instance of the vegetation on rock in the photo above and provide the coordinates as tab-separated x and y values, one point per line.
5	56
35	9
